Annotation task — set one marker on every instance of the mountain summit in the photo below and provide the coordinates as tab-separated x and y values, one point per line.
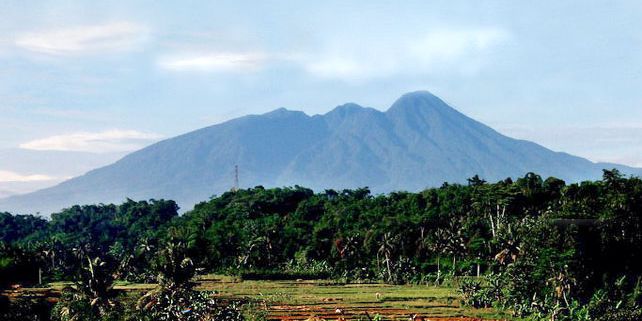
419	142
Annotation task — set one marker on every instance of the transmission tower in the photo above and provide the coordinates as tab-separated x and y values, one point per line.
236	178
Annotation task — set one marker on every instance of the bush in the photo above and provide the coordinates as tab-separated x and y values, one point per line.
184	305
478	296
23	310
74	305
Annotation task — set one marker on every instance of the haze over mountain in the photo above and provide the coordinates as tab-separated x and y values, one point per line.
418	142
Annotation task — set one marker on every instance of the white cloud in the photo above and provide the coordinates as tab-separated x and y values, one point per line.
117	36
115	140
214	62
439	48
447	45
336	66
8	176
356	59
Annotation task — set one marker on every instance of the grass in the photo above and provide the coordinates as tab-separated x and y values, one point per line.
300	300
297	300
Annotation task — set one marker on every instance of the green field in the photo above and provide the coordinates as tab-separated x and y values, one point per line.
301	300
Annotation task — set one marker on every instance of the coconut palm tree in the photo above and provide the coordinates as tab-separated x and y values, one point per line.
386	249
93	296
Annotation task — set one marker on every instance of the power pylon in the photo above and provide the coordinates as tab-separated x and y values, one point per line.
236	178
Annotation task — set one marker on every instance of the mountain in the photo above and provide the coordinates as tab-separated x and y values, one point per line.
419	142
58	166
5	193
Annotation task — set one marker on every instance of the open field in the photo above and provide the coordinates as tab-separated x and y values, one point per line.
300	300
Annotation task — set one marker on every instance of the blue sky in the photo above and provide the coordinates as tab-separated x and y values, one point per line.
81	84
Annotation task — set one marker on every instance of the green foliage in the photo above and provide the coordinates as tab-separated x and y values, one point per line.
542	247
73	306
18	227
172	263
23	310
17	266
482	293
92	297
126	233
180	304
174	299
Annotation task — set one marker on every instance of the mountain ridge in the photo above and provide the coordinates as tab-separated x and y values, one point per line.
419	142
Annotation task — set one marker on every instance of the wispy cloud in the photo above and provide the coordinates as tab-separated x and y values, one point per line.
354	59
115	140
451	44
80	40
214	62
438	48
9	176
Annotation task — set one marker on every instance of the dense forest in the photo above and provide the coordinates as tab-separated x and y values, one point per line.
540	248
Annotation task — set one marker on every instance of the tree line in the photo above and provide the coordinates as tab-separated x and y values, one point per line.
538	247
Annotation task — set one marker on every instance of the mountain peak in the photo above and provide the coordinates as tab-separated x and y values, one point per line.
347	108
283	112
417	101
420	141
418	94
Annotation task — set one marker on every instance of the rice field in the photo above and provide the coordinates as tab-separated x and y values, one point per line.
317	300
301	300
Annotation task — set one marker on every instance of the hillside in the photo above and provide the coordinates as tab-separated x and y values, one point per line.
418	142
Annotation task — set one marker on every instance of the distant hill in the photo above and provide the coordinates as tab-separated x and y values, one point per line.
419	142
5	193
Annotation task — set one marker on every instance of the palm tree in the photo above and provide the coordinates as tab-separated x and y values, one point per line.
175	298
97	284
94	288
453	240
437	245
386	249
